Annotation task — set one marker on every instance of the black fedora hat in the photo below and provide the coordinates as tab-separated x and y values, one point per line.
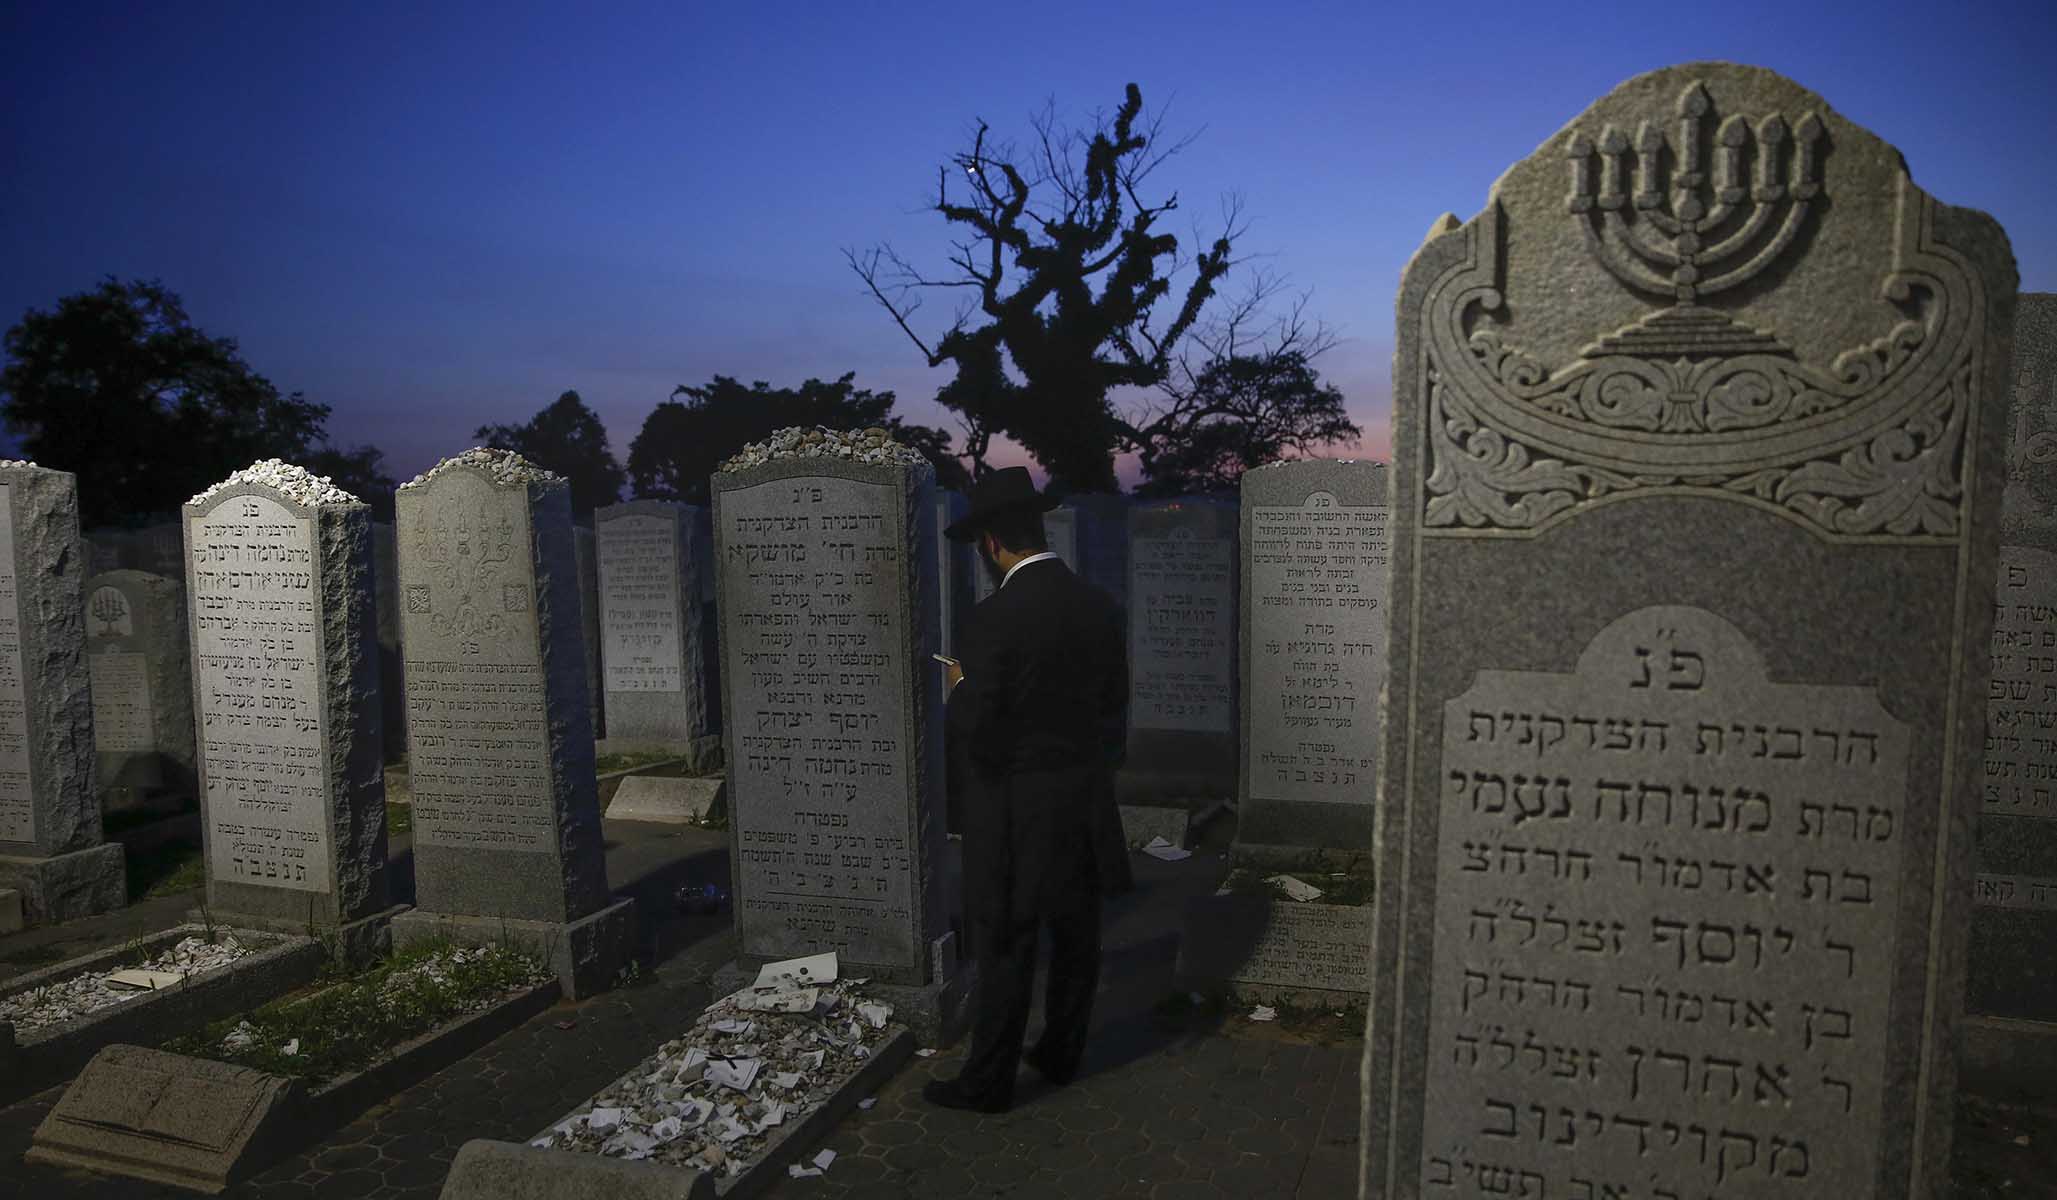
1006	490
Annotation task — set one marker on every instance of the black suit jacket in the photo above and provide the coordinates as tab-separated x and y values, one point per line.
1041	723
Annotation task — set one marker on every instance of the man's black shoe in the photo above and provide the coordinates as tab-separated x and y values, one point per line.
948	1093
1046	1070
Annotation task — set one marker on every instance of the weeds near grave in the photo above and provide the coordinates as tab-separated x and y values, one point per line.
358	1021
165	871
399	817
630	975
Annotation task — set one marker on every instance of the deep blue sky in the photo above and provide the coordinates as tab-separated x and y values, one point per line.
432	216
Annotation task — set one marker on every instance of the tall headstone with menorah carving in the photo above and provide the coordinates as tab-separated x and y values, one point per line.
1696	474
507	841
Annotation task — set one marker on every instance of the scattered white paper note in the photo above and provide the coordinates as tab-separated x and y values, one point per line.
1264	1012
799	1172
801	1000
290	1048
667	1129
875	1013
144	980
814	1059
1297	889
737	1073
789	973
924	1052
696	1113
603	1118
786	1080
1158	848
823	1159
867	1102
733	1027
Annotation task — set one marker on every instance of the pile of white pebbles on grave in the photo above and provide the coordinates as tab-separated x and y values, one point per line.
874	445
80	995
752	1062
505	466
296	482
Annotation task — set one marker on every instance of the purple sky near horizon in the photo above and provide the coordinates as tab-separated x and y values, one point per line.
440	218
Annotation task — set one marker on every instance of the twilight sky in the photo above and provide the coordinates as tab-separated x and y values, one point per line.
433	216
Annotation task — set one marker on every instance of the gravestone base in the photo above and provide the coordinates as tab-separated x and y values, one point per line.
1262	951
2008	1059
1285	856
169	1119
701	753
11	920
668	800
357	943
489	1170
586	954
938	1012
65	887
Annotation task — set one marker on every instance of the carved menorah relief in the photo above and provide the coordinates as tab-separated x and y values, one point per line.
1711	237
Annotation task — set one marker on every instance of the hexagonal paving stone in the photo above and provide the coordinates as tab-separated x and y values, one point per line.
1208	1154
890	1133
1086	1119
1188	1189
1001	1170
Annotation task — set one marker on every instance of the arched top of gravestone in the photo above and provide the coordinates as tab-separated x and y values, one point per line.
669	509
1708	281
867	454
502	468
1348	481
290	484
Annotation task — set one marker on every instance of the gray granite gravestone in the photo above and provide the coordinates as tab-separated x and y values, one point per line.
1315	547
1696	479
834	712
285	697
385	578
651	653
507	843
1182	650
587	557
137	652
51	849
158	548
2010	1039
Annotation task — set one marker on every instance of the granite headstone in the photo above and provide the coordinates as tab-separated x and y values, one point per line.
651	653
1696	478
2011	1034
834	708
1315	547
586	555
507	842
1182	650
285	697
137	651
51	847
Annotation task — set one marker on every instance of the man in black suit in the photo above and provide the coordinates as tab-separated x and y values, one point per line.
1038	710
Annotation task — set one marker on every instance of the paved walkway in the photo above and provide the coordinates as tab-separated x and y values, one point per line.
1239	1113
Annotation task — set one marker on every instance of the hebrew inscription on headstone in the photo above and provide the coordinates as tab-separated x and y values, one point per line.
1181	622
17	802
653	661
1697	452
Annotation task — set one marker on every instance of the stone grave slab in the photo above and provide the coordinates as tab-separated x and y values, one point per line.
1315	544
507	840
164	1117
1266	949
285	696
833	707
651	653
490	1170
137	652
666	799
2012	995
51	847
1697	467
1182	648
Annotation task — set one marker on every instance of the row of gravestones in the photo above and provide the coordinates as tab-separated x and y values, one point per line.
645	603
1710	771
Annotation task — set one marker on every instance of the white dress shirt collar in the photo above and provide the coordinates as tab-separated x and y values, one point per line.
1033	558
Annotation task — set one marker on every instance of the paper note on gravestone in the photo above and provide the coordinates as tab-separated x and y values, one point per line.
1696	478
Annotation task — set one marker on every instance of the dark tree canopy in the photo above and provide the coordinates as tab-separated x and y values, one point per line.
1065	265
360	472
117	386
567	438
684	440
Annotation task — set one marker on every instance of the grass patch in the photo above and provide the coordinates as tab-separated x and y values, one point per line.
399	818
357	1022
166	870
1336	888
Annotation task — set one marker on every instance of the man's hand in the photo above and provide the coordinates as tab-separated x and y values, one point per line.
953	673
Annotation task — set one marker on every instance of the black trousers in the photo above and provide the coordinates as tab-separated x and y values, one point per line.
1006	959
